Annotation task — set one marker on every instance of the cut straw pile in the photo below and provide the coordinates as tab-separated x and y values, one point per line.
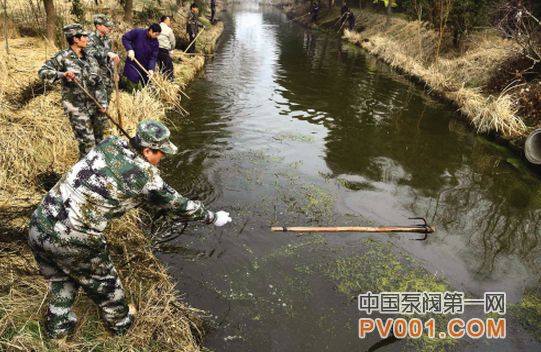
410	46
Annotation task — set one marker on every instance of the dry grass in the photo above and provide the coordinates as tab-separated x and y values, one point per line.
163	323
38	142
37	139
169	93
19	69
496	114
142	104
187	66
206	43
410	46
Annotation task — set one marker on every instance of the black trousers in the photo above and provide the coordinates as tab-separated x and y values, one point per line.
191	38
212	13
165	63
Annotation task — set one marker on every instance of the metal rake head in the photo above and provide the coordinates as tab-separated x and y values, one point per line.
424	226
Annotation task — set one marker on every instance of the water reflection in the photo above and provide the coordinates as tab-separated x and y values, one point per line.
292	126
384	130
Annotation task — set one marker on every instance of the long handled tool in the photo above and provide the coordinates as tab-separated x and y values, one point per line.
162	88
338	21
342	26
101	107
298	18
117	94
420	228
193	41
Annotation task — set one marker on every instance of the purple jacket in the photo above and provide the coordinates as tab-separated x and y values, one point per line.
146	52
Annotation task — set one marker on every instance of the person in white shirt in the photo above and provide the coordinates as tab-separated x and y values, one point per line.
167	44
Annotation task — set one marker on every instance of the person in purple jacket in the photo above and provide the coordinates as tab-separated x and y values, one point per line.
142	45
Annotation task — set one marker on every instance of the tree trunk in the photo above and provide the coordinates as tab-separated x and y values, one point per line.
6	25
389	12
128	11
50	19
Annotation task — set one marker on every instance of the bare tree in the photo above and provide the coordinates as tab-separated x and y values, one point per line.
389	13
50	19
128	10
520	24
444	8
6	24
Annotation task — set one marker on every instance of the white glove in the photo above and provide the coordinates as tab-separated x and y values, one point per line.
150	74
131	54
112	55
222	218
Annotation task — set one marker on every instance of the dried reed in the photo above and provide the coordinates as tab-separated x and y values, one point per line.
36	138
410	47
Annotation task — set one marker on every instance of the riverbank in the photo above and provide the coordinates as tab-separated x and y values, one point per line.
464	79
38	147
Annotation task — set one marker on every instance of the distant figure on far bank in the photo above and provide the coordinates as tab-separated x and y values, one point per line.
344	8
212	11
350	18
88	123
314	11
167	44
192	27
142	45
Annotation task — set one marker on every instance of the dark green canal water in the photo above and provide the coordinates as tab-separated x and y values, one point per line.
294	127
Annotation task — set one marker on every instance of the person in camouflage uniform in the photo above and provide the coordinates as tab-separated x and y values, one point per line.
87	121
66	230
101	47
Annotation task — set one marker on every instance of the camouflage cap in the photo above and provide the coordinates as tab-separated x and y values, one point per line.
102	19
74	29
153	134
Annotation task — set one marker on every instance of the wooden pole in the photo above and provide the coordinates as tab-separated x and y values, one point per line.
389	12
342	26
156	83
116	77
6	25
194	39
338	21
427	229
298	18
101	107
159	86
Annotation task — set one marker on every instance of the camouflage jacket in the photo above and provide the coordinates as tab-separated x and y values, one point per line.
107	182
99	47
193	24
87	72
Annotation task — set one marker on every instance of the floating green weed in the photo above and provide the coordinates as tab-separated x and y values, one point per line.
528	313
295	137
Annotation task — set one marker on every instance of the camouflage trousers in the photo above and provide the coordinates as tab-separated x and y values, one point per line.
88	125
108	82
68	262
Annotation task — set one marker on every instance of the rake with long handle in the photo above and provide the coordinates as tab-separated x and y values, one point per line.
420	228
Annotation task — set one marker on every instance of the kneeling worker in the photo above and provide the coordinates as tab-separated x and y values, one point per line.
66	230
